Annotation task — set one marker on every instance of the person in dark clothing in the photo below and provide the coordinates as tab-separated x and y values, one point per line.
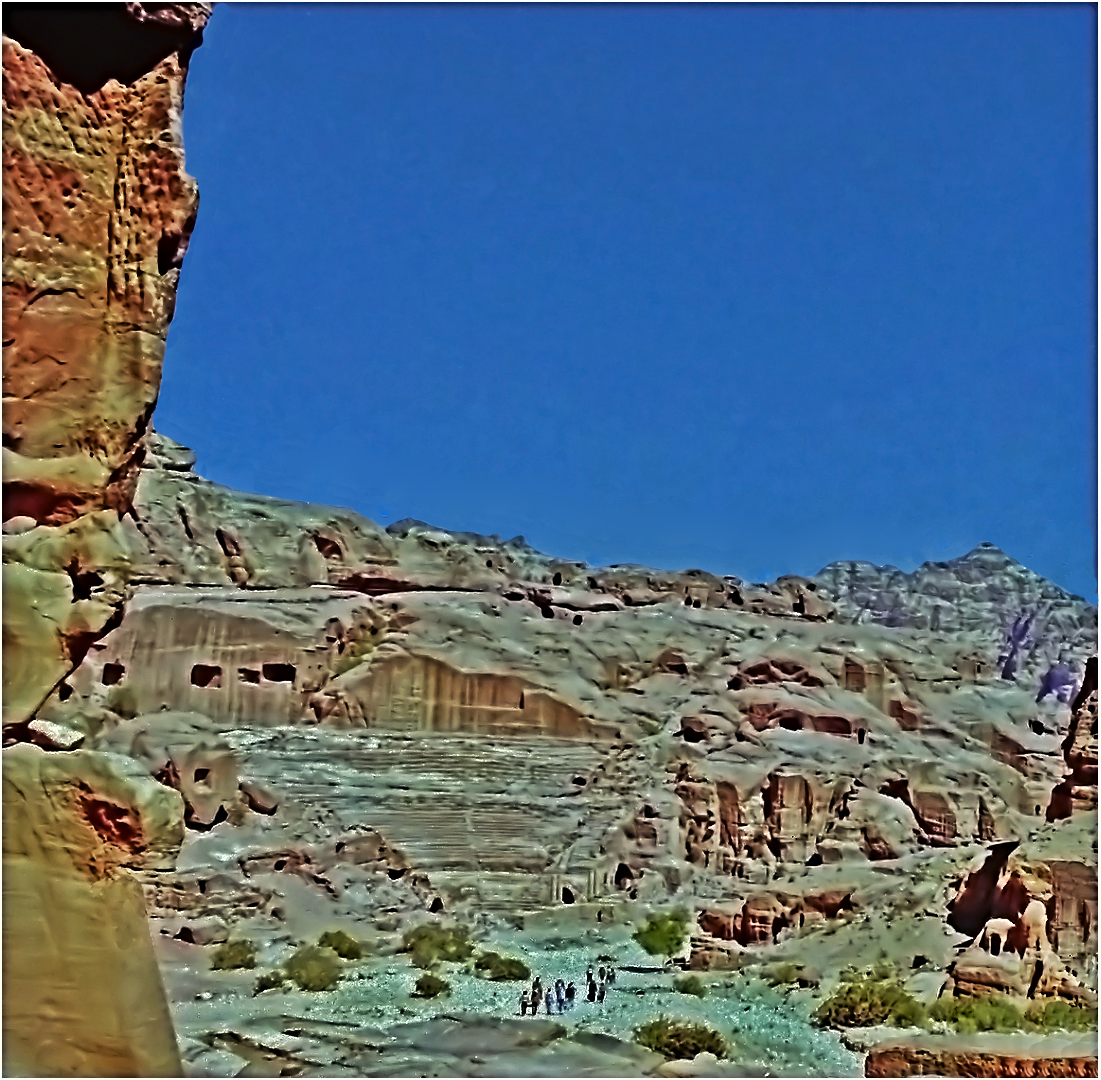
611	975
589	974
592	990
600	994
571	993
550	1002
600	974
535	998
560	996
524	1002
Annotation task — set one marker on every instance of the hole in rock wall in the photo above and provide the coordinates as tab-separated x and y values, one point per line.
329	548
436	906
623	876
248	675
84	581
557	579
206	675
577	620
201	775
64	691
567	895
112	674
227	543
278	672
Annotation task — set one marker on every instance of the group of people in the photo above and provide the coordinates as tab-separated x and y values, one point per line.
560	998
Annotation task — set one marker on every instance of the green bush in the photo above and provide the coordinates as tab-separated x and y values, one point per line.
344	945
501	968
787	973
356	653
1059	1015
680	1042
663	935
232	955
314	968
431	943
270	980
992	1012
690	984
430	986
866	999
122	701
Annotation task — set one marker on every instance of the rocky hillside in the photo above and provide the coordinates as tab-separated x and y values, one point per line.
277	719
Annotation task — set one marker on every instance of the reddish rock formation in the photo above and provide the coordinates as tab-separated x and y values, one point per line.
97	214
953	1056
1078	792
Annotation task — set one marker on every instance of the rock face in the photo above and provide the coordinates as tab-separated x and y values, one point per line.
84	995
765	750
982	1056
97	214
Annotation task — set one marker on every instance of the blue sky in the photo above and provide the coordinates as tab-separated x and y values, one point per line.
750	288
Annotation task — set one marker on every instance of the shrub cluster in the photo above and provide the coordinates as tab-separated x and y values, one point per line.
501	968
1059	1015
870	998
270	980
344	945
690	984
430	986
233	955
431	943
993	1012
314	968
680	1042
663	934
787	973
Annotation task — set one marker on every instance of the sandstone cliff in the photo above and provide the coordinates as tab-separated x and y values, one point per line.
97	214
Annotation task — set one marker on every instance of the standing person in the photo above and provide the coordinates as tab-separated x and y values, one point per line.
550	1003
535	998
600	994
537	988
524	1002
611	975
571	993
592	989
560	995
589	974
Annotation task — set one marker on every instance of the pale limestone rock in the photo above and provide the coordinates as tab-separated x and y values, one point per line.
83	995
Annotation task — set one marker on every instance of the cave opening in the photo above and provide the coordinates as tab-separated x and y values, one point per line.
206	675
278	672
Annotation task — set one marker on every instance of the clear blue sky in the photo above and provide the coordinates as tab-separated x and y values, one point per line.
750	288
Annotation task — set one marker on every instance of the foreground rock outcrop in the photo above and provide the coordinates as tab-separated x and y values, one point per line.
97	214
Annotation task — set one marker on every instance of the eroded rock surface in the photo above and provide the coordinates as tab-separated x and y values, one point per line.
535	735
97	214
